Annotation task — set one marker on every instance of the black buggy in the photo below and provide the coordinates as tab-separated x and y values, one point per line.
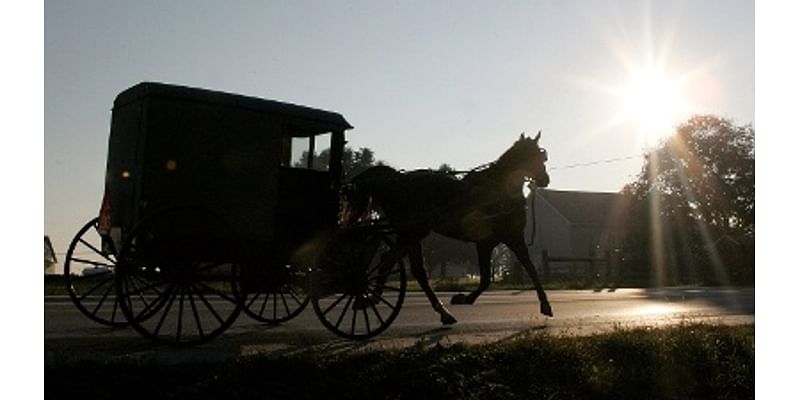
205	216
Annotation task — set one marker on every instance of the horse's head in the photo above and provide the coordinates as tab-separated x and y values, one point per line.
527	157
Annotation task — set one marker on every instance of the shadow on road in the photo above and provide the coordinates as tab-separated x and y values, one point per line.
727	300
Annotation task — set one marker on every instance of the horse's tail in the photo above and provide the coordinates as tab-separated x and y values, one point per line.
360	194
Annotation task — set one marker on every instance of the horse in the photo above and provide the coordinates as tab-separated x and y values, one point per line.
486	207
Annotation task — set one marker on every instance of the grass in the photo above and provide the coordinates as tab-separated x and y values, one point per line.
684	362
55	285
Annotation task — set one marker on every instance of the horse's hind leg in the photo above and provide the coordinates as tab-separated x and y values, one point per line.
521	251
485	265
418	270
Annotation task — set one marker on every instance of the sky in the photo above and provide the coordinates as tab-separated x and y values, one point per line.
422	82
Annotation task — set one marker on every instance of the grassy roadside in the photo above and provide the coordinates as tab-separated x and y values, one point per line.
686	362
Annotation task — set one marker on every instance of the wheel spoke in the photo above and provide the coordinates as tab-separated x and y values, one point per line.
91	262
285	304
100	253
102	299
353	322
210	308
99	285
375	310
263	304
274	305
138	290
366	318
253	300
114	310
344	311
164	315
149	286
383	261
217	292
154	286
334	304
291	293
180	314
194	312
374	293
125	295
159	300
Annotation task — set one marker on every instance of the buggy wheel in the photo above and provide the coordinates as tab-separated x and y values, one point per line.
176	287
283	295
89	276
359	289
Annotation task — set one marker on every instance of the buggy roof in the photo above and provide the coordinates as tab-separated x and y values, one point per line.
304	121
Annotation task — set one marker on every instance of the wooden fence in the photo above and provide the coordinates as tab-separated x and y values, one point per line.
607	266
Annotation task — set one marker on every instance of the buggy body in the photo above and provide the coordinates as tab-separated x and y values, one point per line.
227	154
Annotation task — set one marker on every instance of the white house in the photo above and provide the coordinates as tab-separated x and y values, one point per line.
50	260
576	223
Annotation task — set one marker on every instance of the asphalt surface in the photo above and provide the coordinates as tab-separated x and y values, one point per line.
497	316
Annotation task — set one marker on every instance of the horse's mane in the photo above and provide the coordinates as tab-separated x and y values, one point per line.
486	173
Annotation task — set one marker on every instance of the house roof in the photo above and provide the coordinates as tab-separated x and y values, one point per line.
585	208
49	254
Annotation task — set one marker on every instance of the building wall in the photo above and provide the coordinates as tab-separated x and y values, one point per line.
562	238
552	233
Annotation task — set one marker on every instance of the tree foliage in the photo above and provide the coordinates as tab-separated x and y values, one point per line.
353	161
695	189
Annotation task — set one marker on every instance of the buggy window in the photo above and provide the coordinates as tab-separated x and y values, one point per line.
301	147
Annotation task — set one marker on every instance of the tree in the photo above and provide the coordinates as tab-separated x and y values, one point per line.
353	161
695	188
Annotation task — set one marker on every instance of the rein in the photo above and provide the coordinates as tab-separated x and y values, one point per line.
459	173
479	168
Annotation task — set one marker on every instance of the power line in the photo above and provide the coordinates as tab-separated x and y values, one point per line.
590	163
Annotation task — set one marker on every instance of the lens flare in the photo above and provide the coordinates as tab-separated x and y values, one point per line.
655	102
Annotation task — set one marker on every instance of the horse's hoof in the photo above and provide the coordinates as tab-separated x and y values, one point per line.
545	309
459	299
448	319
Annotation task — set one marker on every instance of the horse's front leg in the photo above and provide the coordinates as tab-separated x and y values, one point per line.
521	251
485	266
418	270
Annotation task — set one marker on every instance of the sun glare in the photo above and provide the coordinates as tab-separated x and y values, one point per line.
654	102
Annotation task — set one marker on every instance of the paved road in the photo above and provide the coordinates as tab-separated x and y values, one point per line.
70	337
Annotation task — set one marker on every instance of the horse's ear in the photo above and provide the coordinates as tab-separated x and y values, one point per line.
538	135
522	136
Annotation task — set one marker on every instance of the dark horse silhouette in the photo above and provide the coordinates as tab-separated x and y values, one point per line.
485	207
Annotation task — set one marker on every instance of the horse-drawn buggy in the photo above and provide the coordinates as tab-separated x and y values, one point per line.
205	215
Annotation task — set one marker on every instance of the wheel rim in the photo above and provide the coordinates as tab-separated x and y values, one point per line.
282	299
92	291
172	294
369	296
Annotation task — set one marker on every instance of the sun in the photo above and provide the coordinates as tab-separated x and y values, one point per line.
654	102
